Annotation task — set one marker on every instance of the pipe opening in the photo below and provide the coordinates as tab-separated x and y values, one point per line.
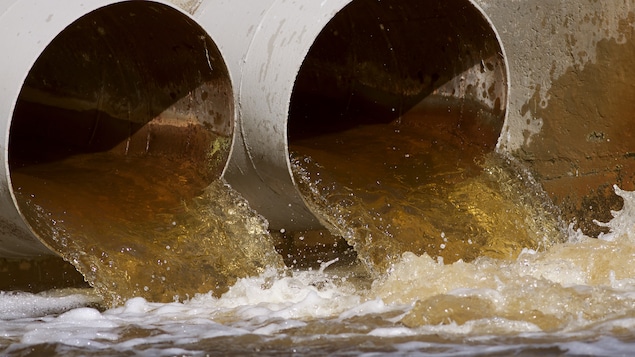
125	116
395	106
376	62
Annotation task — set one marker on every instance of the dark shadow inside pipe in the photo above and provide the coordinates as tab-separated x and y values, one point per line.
376	61
125	115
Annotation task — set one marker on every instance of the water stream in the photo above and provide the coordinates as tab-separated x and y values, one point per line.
135	227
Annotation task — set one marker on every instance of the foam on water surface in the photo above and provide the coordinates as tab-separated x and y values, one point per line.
577	297
16	305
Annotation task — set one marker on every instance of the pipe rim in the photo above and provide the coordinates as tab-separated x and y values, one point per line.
274	99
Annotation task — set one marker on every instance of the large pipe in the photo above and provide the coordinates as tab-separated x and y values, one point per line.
295	63
113	82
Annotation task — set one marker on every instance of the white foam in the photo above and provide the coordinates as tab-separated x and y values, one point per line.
14	305
392	332
81	327
305	294
375	306
587	285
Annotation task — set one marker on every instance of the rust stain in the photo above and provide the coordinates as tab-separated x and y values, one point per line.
586	142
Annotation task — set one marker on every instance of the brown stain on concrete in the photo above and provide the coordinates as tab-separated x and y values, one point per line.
587	140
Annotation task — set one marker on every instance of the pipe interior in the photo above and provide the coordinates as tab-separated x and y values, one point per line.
124	116
387	83
376	61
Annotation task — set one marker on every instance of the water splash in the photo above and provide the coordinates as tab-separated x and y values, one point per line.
622	224
164	252
452	208
572	285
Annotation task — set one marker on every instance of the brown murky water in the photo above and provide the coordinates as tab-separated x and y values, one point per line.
142	226
465	254
407	187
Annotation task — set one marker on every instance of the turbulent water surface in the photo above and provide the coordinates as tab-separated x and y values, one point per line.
577	298
467	259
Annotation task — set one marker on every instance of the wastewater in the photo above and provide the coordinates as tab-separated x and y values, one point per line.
430	246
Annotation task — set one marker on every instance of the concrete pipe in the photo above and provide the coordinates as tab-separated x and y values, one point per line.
296	63
109	108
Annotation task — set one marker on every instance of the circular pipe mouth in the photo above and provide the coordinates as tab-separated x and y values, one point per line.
126	114
377	62
393	97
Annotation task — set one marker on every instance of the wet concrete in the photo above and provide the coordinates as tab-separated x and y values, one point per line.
586	143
